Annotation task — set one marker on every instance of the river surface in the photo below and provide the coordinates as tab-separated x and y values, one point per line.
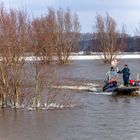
98	117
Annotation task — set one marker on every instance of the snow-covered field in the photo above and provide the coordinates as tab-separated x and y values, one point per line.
89	57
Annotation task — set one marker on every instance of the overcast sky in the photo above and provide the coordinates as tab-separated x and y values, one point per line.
125	12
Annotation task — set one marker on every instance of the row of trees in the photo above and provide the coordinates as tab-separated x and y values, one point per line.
53	36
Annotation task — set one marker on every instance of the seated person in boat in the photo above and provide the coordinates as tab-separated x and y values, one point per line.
111	76
111	80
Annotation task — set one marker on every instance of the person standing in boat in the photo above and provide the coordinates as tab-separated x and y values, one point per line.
126	73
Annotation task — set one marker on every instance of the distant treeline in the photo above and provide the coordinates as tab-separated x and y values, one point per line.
88	42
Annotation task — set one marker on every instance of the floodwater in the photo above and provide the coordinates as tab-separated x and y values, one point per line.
98	117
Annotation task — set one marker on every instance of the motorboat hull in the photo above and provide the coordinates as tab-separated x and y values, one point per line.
130	90
121	90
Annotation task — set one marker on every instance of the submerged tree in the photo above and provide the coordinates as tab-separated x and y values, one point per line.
137	40
55	35
13	40
44	39
110	42
68	34
23	82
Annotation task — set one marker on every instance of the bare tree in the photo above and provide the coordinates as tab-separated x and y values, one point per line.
56	34
50	28
110	42
44	37
137	39
42	30
68	34
14	29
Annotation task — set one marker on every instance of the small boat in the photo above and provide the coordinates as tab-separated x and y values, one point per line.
120	89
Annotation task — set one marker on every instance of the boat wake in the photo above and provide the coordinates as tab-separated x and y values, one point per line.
103	93
84	88
88	87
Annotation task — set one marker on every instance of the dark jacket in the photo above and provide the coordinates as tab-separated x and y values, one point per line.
126	72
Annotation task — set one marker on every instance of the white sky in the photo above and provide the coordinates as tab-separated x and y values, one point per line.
125	12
